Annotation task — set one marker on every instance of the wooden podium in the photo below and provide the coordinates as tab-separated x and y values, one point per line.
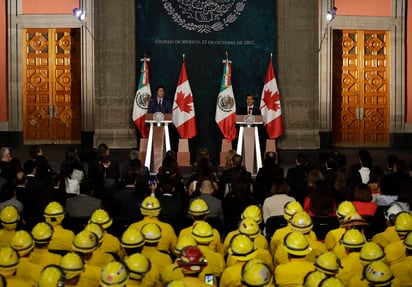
248	143
159	140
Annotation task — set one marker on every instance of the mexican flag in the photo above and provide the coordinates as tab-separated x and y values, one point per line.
142	99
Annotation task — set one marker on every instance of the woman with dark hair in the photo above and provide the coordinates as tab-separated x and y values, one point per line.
405	196
320	201
274	205
362	200
202	169
374	183
365	161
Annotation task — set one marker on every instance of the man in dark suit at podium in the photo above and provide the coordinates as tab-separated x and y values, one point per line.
250	108
159	103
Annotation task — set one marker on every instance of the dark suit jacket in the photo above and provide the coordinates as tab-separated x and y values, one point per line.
154	107
243	111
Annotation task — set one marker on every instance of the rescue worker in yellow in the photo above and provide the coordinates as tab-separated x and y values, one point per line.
152	235
176	283
403	270
85	244
199	210
395	251
42	233
331	282
333	237
254	212
313	278
389	235
9	261
192	262
77	273
9	217
327	263
378	274
132	241
51	275
352	240
292	273
150	209
301	222
255	273
114	274
110	243
23	243
142	272
62	238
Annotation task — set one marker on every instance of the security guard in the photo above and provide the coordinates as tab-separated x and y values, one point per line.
294	271
132	241
377	273
115	273
152	235
9	261
333	237
313	278
328	263
352	240
77	274
255	273
192	262
42	233
403	270
142	272
110	243
395	251
23	243
62	238
199	210
51	276
389	235
150	209
9	217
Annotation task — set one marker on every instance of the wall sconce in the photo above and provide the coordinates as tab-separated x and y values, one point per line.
331	14
79	14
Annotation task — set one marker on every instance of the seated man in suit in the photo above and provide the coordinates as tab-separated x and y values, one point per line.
159	103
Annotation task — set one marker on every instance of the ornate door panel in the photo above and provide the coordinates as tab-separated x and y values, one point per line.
51	86
360	88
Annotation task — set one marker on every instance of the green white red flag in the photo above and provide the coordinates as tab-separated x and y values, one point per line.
142	99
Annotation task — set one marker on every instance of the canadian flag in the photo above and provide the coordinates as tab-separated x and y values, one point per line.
142	99
270	104
183	108
225	116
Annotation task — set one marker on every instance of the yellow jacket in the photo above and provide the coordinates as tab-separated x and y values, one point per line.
111	245
333	237
395	252
260	241
100	259
215	260
156	257
28	270
292	273
61	239
90	276
5	236
351	266
174	272
194	282
403	271
216	245
42	257
387	237
231	276
17	282
262	254
279	235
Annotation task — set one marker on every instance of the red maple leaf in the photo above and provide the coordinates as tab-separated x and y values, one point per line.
184	102
271	100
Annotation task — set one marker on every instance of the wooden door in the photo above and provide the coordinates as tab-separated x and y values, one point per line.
360	88
51	86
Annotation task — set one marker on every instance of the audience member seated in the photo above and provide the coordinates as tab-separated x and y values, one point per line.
405	196
215	205
274	204
297	178
330	169
362	200
389	235
170	167
391	184
365	162
202	169
136	164
320	201
6	172
82	206
8	197
375	178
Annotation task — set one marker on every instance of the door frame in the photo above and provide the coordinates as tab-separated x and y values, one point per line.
396	27
16	23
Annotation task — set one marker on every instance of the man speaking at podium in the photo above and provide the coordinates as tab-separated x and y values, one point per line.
159	103
249	109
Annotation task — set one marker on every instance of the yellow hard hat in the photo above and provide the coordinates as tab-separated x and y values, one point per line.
241	247
371	251
378	273
72	265
327	263
291	208
408	241
202	232
8	260
52	276
257	274
296	243
42	233
313	278
301	222
403	222
150	206
3	282
84	242
97	229
198	207
353	219
100	216
345	208
353	238
151	232
176	283
54	213
183	242
9	216
138	265
331	282
253	212
114	274
22	242
191	260
249	227
132	238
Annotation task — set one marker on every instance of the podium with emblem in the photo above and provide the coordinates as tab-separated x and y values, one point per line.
248	141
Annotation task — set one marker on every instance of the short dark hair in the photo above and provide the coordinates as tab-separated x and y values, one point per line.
34	151
102	148
160	87
362	193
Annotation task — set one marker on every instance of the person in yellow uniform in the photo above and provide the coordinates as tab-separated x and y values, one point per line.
142	272
301	222
377	273
313	278
352	240
199	210
51	276
331	282
255	212
150	209
9	261
110	243
132	241
176	283
192	262
152	235
333	237
62	238
9	217
23	243
42	233
115	274
255	273
327	263
389	235
202	232
241	250
292	273
403	270
85	244
395	251
77	274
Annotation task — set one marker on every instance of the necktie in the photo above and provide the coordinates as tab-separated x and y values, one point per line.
249	111
160	103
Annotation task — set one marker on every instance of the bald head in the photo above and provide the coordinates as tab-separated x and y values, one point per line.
206	186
